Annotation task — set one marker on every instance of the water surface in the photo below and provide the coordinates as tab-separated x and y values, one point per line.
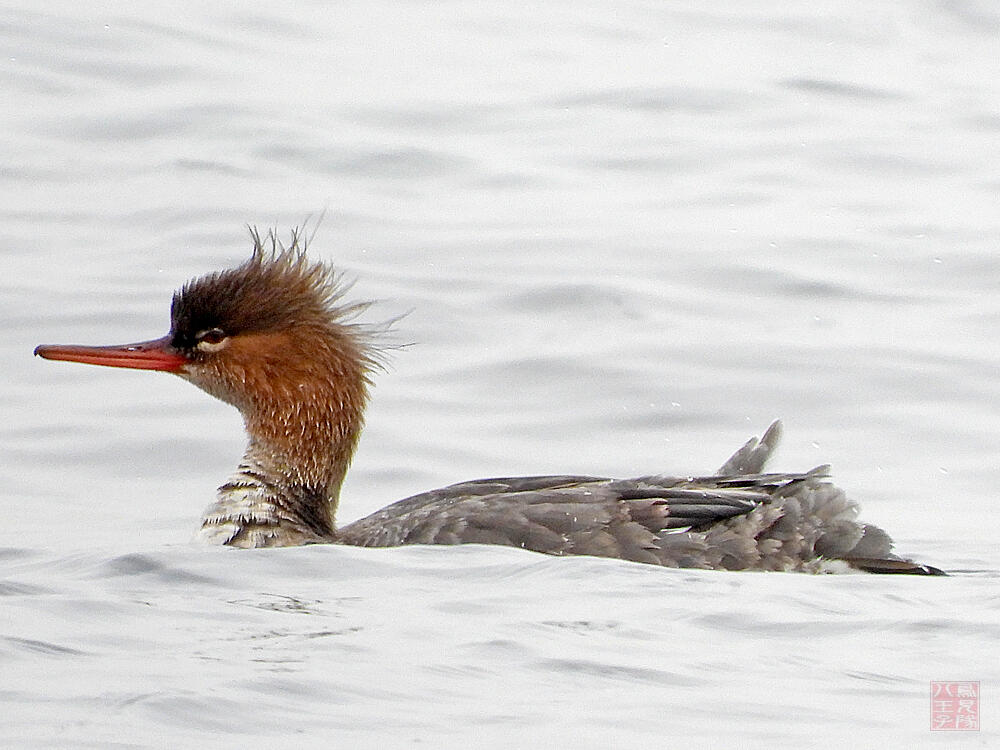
627	238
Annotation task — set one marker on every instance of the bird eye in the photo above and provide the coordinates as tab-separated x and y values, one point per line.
211	340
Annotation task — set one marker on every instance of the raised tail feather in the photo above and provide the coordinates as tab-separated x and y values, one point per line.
871	553
750	459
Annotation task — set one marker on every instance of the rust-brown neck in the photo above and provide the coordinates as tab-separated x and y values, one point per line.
307	410
308	437
302	396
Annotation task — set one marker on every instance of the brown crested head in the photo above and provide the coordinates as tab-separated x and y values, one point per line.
273	338
271	329
278	288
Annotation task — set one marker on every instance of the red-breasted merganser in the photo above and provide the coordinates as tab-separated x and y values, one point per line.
274	338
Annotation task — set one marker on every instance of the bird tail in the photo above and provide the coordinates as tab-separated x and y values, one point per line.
750	459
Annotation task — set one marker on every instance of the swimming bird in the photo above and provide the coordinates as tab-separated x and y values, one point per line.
275	338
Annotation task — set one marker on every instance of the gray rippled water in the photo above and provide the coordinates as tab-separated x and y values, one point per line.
625	238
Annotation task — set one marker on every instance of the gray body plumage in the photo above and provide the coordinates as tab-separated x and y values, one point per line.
737	519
